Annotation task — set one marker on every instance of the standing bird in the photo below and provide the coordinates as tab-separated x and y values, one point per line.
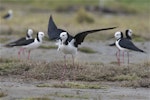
9	15
30	44
128	33
66	43
28	36
125	44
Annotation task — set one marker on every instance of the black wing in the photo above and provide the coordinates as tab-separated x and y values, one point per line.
53	31
125	43
113	44
14	42
6	16
23	43
79	38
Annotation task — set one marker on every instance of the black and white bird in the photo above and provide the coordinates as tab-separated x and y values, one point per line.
9	15
124	44
128	33
28	36
30	44
66	43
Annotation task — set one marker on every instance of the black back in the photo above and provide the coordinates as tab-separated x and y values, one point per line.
6	16
79	38
125	43
11	44
23	43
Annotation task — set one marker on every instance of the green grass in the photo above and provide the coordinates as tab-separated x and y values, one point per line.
40	98
125	5
126	77
50	4
43	85
78	86
70	96
73	85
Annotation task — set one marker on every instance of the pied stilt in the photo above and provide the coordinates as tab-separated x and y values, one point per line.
30	44
28	36
66	43
124	44
9	15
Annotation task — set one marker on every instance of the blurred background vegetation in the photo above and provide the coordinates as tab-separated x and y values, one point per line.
77	15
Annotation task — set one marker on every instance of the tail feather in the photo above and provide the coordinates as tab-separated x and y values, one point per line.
10	45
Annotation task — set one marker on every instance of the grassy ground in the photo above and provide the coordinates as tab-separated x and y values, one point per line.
137	75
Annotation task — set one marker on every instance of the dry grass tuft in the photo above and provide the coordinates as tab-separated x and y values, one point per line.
40	98
78	85
135	75
2	94
84	17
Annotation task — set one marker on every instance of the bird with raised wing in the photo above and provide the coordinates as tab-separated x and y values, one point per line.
66	43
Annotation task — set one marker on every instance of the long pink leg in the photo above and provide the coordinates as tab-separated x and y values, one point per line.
74	76
19	52
123	56
118	57
29	54
23	52
128	57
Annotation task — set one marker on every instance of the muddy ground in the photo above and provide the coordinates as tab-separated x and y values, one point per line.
103	53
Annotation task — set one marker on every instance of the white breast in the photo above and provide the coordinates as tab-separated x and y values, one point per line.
119	47
67	49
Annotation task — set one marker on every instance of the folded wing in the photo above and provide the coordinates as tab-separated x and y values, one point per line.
125	43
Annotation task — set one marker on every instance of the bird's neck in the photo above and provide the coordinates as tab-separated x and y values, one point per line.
39	39
28	37
119	39
65	42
